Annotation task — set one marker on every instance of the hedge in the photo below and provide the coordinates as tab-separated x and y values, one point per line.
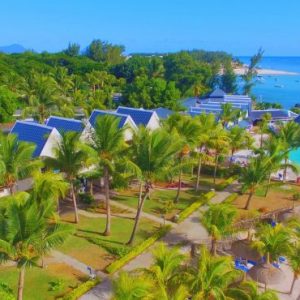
137	250
189	210
81	289
226	183
231	198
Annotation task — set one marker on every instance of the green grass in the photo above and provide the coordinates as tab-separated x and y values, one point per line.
278	187
37	282
82	246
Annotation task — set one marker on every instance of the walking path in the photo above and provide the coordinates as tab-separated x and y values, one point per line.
189	230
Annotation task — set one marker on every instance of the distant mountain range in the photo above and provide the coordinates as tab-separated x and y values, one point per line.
14	48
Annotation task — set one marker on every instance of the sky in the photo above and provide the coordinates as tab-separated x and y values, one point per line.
239	27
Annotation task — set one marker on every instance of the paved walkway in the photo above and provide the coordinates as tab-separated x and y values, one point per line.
191	229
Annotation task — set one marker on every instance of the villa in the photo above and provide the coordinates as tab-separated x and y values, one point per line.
65	124
44	137
282	115
140	116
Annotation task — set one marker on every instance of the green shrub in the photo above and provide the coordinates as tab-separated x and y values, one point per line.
118	251
137	250
225	183
189	210
81	289
86	198
6	292
56	285
231	198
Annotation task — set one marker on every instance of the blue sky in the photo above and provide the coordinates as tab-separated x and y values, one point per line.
237	26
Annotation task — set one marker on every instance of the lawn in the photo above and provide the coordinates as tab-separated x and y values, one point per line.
83	245
158	200
38	281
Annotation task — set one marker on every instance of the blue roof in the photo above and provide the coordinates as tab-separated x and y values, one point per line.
163	113
32	133
217	93
276	114
139	116
65	124
97	113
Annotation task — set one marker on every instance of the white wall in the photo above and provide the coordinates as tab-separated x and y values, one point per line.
153	122
52	142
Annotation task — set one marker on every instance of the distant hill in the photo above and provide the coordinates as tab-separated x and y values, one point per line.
14	48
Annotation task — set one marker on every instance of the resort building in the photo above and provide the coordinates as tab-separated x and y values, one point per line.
65	124
44	137
124	120
163	113
141	117
282	115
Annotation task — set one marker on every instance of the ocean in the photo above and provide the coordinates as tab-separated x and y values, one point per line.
288	94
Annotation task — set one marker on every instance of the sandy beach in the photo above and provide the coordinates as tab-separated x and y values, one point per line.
242	70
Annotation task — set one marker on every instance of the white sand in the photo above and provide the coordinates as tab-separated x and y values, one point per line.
243	69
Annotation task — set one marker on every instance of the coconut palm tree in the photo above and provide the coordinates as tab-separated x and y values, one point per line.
211	276
152	154
109	145
253	176
15	160
248	290
69	159
132	287
207	125
294	260
229	114
263	126
218	220
272	242
219	142
26	234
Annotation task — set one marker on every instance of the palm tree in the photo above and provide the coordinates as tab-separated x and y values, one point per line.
207	125
165	273
16	160
152	154
69	159
229	114
218	220
253	176
272	242
263	126
132	287
109	145
26	234
219	142
248	290
294	260
289	135
211	276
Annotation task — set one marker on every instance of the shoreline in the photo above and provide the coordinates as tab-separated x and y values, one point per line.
243	69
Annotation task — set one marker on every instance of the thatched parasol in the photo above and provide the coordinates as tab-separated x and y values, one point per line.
243	249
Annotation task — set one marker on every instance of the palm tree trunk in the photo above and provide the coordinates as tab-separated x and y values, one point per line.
293	283
285	169
91	187
198	172
138	213
216	167
21	283
261	139
179	186
107	203
74	203
268	186
213	247
248	200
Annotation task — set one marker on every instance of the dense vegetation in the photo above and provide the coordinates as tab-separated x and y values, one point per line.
45	83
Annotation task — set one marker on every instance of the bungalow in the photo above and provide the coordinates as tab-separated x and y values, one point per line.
124	120
282	115
141	117
163	113
44	137
65	124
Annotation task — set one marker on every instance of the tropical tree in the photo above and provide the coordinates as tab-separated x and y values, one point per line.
207	126
108	142
263	126
253	176
151	154
294	261
15	160
26	234
211	276
218	221
272	242
69	159
228	114
219	142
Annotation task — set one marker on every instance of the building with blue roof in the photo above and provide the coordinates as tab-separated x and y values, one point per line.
65	124
44	137
141	117
282	115
163	113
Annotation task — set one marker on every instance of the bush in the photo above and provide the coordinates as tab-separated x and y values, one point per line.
86	198
6	292
189	210
81	289
137	250
231	198
56	285
296	196
222	186
118	251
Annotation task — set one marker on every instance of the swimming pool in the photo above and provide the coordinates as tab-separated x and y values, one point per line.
295	156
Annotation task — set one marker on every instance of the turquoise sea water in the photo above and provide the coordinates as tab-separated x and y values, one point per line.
288	95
